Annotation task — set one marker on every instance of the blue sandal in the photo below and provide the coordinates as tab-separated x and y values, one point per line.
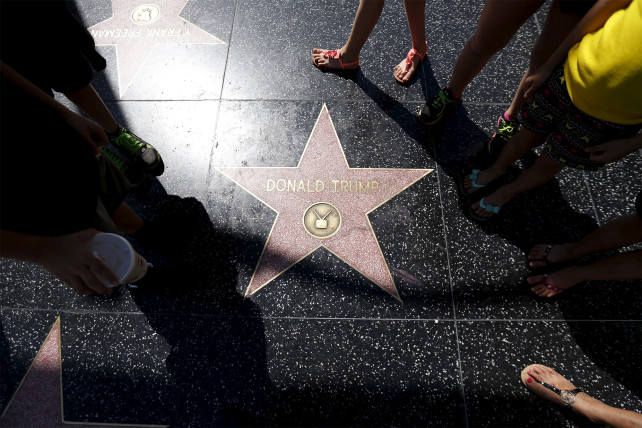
473	176
488	208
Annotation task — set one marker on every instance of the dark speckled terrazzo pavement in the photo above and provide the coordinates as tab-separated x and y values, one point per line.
322	345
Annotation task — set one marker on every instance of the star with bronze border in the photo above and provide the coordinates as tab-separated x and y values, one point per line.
136	28
323	203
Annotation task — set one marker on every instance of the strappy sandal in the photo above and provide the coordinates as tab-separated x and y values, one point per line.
567	396
409	58
335	54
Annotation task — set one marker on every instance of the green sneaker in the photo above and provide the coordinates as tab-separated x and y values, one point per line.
134	175
138	150
505	131
440	106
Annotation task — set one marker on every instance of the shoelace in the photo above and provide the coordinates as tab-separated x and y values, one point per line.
440	101
113	158
128	141
506	128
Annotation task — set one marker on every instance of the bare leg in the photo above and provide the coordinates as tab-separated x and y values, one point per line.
594	410
542	171
625	230
364	22
416	15
126	219
521	143
556	28
90	102
499	21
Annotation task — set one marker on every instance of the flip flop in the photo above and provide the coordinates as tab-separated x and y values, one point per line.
488	208
473	176
567	396
409	58
545	259
545	283
335	54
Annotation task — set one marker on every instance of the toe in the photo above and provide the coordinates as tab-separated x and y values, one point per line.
467	185
536	256
542	373
535	279
539	290
321	62
536	263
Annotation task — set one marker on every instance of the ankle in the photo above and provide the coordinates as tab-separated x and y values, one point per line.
576	273
453	92
588	407
493	171
420	47
347	55
574	253
505	193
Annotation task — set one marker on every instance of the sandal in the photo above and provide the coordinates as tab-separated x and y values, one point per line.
545	262
568	397
409	59
545	283
473	176
335	54
488	208
544	259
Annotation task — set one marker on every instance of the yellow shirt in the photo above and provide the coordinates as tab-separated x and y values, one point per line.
603	71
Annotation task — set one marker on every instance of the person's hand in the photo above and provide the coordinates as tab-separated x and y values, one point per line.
613	150
69	257
89	130
535	81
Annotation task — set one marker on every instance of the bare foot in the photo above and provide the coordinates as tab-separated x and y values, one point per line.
335	59
545	254
550	285
404	71
535	373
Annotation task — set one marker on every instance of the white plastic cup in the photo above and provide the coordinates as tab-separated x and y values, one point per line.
119	257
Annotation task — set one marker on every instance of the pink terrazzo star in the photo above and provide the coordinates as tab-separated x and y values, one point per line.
335	201
137	27
38	400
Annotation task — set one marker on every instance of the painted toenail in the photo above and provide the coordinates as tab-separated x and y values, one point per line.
529	371
529	380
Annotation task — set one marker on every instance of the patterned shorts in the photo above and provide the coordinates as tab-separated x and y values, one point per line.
551	112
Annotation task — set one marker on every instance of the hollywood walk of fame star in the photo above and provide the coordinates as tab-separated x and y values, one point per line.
137	27
38	400
323	203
